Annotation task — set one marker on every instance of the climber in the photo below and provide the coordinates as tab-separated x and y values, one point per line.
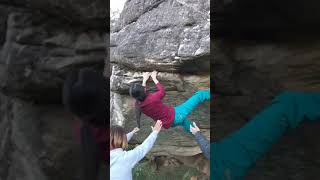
85	95
233	156
201	140
121	161
151	104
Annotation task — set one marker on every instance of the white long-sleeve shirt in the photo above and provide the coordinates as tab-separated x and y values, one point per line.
122	162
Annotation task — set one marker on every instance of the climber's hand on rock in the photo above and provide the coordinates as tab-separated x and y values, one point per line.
157	126
154	77
146	76
135	130
154	74
194	129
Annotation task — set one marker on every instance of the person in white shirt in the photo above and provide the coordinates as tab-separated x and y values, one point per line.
122	161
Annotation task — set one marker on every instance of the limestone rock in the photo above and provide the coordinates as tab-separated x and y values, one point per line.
5	131
40	41
37	142
88	13
36	55
170	36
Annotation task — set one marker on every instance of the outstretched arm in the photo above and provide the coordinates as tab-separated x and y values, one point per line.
161	91
201	140
204	144
130	134
140	151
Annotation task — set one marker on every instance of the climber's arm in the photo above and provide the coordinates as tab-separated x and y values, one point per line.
202	141
145	77
161	91
135	155
154	77
137	114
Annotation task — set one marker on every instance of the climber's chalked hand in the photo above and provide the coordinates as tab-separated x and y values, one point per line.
154	74
146	75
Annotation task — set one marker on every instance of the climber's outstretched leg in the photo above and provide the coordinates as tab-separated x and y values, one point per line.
182	111
234	155
188	106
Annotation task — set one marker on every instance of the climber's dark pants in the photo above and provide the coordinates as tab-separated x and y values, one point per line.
233	156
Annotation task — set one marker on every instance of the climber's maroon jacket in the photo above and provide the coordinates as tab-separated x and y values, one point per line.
153	107
102	138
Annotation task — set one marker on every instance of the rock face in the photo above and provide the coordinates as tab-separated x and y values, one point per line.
37	55
40	41
89	13
173	38
266	18
36	142
249	70
170	36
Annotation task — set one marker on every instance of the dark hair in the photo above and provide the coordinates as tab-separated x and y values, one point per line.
85	94
137	91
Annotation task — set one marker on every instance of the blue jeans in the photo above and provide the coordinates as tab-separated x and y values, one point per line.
182	111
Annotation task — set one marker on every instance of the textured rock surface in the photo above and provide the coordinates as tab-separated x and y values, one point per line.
36	142
248	75
43	143
5	132
172	37
37	54
91	13
40	41
166	35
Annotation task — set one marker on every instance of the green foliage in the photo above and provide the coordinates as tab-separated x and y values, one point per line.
145	171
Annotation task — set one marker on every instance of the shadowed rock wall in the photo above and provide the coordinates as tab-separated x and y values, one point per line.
40	41
260	52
